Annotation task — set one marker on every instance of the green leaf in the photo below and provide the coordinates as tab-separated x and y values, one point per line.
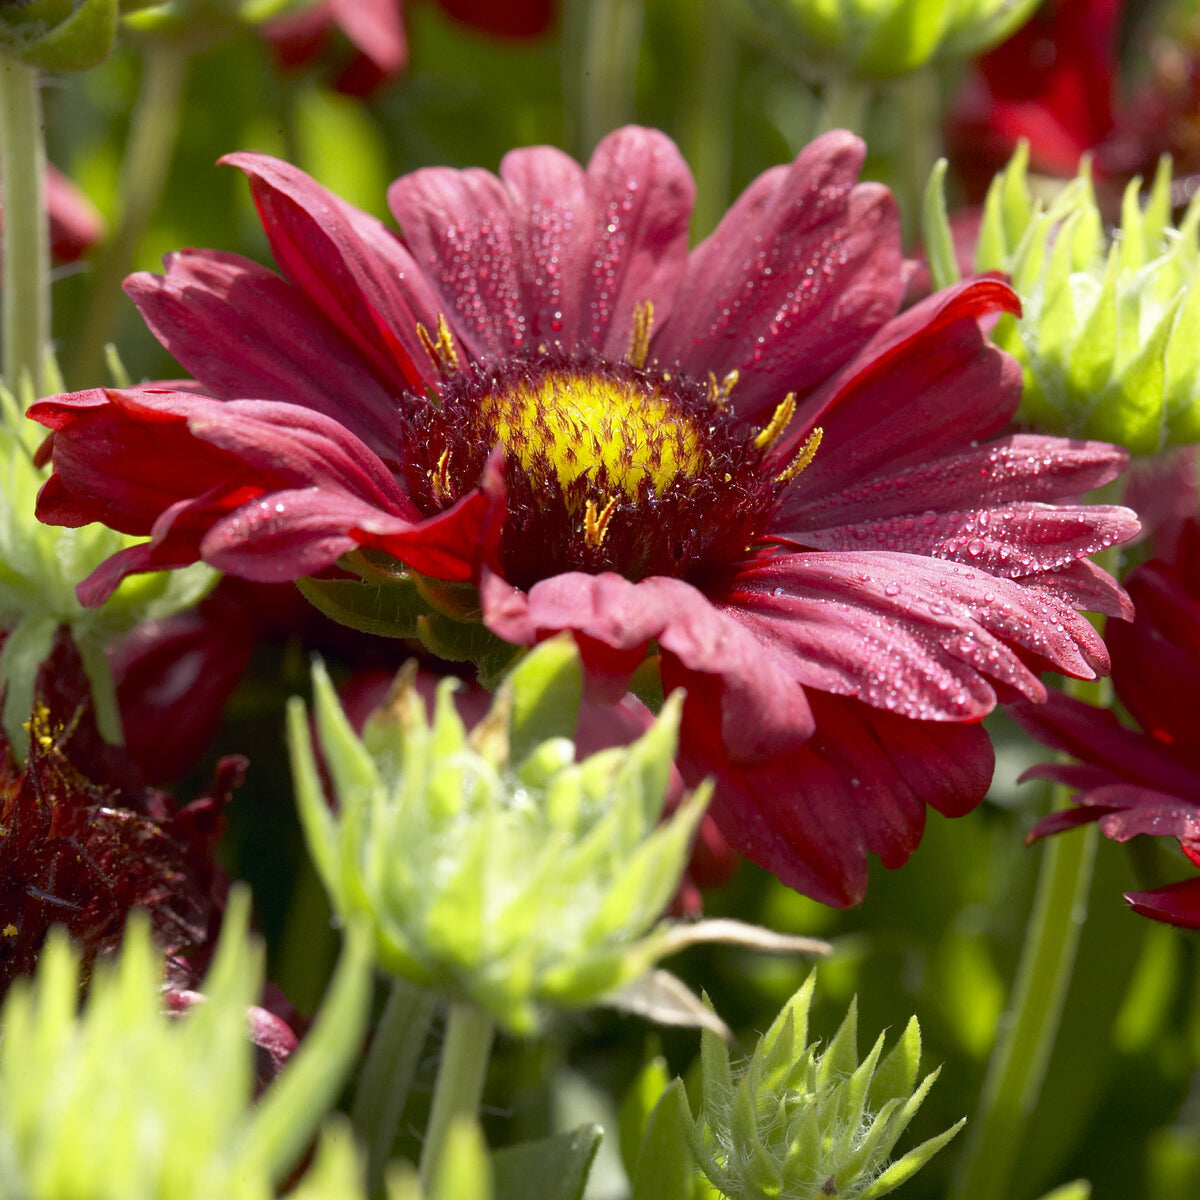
553	1168
643	1094
665	1168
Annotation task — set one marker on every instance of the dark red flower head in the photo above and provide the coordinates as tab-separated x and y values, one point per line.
738	460
1147	782
82	841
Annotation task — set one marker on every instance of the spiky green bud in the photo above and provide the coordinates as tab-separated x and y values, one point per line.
881	39
798	1123
40	566
122	1099
59	35
492	866
1109	338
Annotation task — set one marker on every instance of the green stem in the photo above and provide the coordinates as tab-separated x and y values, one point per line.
1026	1037
610	32
708	116
388	1072
918	143
844	105
26	235
153	133
459	1084
1027	1033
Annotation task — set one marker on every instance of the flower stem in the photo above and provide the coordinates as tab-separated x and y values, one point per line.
459	1084
388	1072
1028	1030
26	251
610	34
707	133
153	132
918	115
844	105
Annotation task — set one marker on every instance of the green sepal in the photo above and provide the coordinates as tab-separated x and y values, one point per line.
936	232
903	1169
896	1075
546	689
553	1168
59	35
664	1168
464	1169
389	610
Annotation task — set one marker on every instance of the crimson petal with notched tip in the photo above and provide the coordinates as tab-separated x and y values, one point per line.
244	332
355	270
802	269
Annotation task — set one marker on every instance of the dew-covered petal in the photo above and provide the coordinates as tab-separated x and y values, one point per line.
923	388
1013	540
242	331
859	785
300	447
349	265
550	252
1019	468
762	710
1177	903
920	638
123	456
800	272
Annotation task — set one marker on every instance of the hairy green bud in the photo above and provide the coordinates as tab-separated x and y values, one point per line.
880	39
804	1124
491	865
123	1099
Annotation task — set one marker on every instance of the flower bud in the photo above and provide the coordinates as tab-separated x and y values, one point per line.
59	35
806	1124
1110	333
491	865
880	39
122	1099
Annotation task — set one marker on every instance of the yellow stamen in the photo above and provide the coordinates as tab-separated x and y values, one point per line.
439	478
780	420
639	340
718	393
441	351
595	524
807	453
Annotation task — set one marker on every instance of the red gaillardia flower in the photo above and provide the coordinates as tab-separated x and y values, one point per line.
740	460
1147	782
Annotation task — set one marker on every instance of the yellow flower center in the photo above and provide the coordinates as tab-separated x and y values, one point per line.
619	432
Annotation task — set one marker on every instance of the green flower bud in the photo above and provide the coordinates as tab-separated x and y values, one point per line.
491	865
880	39
798	1123
1110	334
59	35
39	568
122	1099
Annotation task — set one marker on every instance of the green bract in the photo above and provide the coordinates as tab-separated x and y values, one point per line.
59	35
39	568
881	39
796	1123
122	1101
1110	334
492	866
